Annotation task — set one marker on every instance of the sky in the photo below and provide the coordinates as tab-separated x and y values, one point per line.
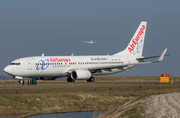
58	27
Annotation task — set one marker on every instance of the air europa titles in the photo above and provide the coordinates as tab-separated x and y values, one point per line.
60	60
135	40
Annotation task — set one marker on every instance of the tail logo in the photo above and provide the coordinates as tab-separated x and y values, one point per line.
138	47
134	41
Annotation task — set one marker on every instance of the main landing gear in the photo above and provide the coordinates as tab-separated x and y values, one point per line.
69	79
91	79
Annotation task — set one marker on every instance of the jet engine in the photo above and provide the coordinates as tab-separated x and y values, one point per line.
81	74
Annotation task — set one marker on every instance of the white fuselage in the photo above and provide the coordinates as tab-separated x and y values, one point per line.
58	66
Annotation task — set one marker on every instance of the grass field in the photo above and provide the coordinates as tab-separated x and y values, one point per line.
106	93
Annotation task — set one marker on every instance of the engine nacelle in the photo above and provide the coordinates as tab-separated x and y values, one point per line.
81	74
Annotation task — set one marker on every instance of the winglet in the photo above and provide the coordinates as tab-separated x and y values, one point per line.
162	55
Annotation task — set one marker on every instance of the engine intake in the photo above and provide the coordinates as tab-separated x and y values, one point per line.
81	74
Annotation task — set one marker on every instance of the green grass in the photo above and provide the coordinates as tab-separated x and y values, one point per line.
37	99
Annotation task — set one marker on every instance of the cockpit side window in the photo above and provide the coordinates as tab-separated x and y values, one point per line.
15	64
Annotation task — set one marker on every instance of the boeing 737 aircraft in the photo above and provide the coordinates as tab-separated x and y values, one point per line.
82	67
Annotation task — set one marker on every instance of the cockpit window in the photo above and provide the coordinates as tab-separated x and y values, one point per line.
15	64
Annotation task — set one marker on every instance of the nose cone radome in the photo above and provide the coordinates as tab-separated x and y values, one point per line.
7	70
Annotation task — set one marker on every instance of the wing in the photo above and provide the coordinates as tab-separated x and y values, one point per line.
152	57
142	58
125	65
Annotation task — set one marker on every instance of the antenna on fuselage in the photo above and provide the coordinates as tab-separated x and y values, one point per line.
42	54
72	54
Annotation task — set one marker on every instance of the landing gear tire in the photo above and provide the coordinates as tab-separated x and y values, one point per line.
91	79
69	79
21	81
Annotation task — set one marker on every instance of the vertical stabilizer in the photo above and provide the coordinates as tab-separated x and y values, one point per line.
135	46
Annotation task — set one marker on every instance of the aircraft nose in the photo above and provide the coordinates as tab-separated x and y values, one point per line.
7	70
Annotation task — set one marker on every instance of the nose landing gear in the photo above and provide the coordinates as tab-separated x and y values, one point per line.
21	81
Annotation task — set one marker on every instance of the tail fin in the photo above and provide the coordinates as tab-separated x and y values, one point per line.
135	46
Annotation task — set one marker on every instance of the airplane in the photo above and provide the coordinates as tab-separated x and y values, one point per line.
90	42
83	67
